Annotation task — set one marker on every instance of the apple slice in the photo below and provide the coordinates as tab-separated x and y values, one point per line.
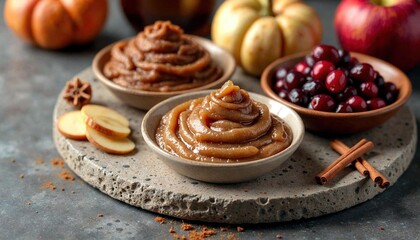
71	125
97	110
108	126
106	121
108	144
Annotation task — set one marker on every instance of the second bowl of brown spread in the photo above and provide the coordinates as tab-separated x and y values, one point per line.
161	62
225	135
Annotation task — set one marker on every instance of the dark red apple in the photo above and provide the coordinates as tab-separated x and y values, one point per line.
387	29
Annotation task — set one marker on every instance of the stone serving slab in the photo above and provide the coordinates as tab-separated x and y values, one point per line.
288	193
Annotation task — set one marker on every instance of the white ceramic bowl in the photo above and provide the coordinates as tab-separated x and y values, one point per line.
146	99
222	172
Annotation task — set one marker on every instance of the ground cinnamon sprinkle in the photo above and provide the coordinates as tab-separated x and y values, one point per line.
66	176
187	227
39	161
49	185
160	220
57	162
205	233
183	237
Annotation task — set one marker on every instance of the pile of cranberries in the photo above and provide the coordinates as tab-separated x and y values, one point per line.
330	80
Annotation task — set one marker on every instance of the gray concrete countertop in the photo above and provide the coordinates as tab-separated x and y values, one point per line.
30	81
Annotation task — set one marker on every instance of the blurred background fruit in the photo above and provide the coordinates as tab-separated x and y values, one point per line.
387	29
257	32
54	24
191	15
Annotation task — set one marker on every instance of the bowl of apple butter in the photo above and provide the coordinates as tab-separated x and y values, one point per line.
226	135
161	62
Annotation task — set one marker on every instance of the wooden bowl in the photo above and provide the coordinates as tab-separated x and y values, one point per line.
147	99
342	123
222	172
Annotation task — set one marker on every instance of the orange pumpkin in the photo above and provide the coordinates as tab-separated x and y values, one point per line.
55	24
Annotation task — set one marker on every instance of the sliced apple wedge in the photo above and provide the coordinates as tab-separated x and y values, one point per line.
108	144
108	126
71	125
97	110
106	121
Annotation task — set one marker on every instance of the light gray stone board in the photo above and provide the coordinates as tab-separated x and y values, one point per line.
288	193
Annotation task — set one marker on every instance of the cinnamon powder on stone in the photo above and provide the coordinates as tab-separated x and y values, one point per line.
57	162
66	176
48	185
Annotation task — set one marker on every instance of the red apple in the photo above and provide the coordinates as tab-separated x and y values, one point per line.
387	29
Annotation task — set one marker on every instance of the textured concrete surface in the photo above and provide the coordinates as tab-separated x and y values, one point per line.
30	81
287	193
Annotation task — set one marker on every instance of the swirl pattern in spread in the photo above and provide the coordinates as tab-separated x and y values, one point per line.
161	58
226	126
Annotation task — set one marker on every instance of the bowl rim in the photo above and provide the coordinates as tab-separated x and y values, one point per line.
228	69
296	141
401	100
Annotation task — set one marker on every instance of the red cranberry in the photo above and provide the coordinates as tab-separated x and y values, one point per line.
313	88
321	70
345	70
391	88
375	103
279	85
388	97
363	72
369	89
353	62
322	102
379	81
303	67
357	103
348	92
298	97
390	92
326	52
343	108
375	74
281	73
309	60
336	81
344	57
284	94
293	80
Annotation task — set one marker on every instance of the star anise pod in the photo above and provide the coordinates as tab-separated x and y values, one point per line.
78	93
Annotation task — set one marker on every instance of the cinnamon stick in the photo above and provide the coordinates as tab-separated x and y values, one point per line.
374	174
362	147
357	145
341	148
359	167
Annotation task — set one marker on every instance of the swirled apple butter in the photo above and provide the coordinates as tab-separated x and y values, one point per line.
163	59
225	126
